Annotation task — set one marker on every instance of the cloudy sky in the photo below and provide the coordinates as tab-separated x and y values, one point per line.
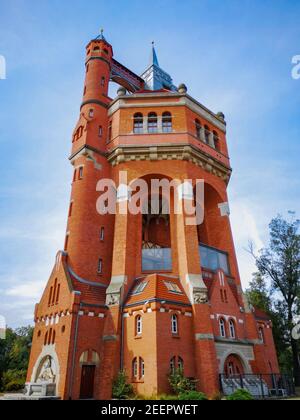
234	55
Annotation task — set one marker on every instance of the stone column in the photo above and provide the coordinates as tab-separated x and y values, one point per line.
202	134
211	140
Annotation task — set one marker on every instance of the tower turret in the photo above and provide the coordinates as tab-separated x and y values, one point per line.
89	234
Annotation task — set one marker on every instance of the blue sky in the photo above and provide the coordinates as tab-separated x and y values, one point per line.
234	55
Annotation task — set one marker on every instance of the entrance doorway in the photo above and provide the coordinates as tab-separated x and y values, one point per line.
233	366
87	382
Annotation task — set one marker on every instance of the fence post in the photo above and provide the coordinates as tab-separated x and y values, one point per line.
262	387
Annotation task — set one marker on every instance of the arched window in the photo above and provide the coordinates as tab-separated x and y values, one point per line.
46	339
91	113
232	329
142	368
135	368
138	123
49	337
173	364
261	334
139	325
180	363
216	140
198	128
167	122
53	337
96	49
222	328
174	324
152	122
207	134
103	81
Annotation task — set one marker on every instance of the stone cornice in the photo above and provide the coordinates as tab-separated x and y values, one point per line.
183	152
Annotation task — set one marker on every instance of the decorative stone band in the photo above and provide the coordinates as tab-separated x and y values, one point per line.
113	292
184	152
204	337
110	338
94	102
198	290
98	58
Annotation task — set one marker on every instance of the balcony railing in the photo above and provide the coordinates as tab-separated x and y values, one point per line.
213	259
157	259
259	385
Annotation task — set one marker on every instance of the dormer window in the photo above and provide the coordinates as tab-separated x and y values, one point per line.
138	123
152	122
167	122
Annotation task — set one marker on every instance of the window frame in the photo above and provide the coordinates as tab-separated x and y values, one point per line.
138	123
138	326
232	329
167	122
174	324
152	123
222	327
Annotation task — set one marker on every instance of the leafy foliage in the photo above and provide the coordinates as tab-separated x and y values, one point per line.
280	265
14	357
179	383
192	396
121	389
240	395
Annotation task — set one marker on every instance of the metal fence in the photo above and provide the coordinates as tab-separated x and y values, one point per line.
259	386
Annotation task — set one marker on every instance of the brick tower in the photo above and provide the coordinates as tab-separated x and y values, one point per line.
145	293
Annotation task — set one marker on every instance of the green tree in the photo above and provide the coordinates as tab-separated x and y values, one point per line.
14	355
259	296
280	263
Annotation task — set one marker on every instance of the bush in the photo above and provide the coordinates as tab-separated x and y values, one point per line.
121	389
165	397
14	380
240	395
192	395
179	383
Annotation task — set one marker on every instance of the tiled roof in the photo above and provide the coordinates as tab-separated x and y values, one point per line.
89	293
157	289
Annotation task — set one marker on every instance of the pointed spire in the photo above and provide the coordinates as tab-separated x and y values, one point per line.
153	57
101	36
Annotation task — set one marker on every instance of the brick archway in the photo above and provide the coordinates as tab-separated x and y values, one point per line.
233	365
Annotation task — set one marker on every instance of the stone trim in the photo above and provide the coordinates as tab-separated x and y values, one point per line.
244	352
203	337
93	102
110	338
47	351
183	152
